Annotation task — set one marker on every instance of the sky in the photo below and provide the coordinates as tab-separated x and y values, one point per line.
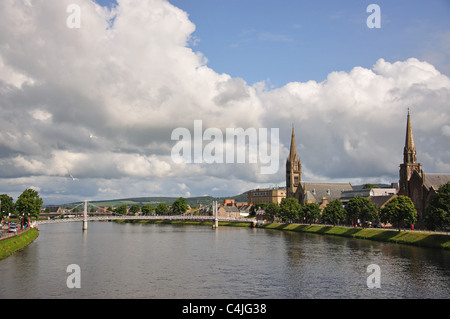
92	93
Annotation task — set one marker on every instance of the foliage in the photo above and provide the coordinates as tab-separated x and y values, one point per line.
400	212
361	208
134	209
147	209
369	186
161	209
310	212
122	210
289	209
179	206
29	203
272	210
7	205
334	213
437	214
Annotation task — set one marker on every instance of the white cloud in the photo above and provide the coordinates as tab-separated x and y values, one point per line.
136	80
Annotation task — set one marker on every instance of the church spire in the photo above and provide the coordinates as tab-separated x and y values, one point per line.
409	160
409	152
293	151
293	169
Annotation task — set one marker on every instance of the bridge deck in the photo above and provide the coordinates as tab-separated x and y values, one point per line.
168	217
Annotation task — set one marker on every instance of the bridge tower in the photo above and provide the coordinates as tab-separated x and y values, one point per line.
85	222
216	215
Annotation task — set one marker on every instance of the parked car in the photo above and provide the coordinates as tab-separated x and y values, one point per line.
13	229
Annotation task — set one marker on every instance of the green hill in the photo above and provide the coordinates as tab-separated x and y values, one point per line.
154	201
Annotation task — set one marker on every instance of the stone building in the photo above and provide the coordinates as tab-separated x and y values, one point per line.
309	192
266	195
414	182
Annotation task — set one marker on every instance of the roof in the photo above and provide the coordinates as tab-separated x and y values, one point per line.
230	209
329	190
381	200
436	180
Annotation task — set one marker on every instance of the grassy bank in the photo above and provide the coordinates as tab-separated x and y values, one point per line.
392	236
11	245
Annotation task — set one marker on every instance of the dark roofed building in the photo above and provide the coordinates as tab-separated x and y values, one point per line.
321	193
309	192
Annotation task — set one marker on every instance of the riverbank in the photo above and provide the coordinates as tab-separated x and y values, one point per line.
182	222
13	244
415	238
422	239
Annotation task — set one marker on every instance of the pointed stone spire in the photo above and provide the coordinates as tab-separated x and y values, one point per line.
409	152
293	151
293	169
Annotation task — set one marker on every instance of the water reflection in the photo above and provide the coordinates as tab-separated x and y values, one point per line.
176	261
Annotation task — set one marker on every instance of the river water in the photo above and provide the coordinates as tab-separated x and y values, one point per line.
185	261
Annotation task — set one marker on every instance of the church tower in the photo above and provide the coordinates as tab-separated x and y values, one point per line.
409	161
293	169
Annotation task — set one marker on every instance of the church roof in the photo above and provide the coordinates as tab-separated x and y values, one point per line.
436	180
329	190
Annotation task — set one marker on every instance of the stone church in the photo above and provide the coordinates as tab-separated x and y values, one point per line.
414	183
306	192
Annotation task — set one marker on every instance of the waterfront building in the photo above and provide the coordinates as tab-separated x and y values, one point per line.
309	192
413	182
266	195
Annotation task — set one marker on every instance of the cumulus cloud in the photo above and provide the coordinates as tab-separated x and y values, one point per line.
128	77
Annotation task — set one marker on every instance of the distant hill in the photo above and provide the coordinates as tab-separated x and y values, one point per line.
154	201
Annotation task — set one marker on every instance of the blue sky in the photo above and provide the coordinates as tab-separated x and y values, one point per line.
293	40
71	96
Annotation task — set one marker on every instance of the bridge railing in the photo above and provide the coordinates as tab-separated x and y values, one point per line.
164	217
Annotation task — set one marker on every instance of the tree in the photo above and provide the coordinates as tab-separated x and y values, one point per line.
369	186
361	208
179	206
122	210
272	210
310	212
147	209
289	209
334	213
437	213
400	212
6	205
161	209
29	203
134	209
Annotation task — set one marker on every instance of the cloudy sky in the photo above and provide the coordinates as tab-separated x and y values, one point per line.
88	110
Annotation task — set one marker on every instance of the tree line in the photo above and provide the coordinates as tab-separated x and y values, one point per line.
28	204
360	211
178	207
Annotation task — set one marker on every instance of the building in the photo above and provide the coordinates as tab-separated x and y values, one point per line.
414	182
266	195
306	192
368	193
228	211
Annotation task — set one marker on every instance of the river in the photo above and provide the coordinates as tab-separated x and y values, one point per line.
187	261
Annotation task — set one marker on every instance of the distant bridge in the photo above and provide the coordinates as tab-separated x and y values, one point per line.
215	219
161	217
